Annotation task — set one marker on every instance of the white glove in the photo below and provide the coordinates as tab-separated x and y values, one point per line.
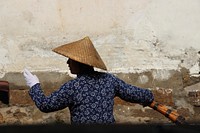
31	79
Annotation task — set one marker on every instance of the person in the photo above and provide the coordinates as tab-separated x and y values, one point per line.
90	95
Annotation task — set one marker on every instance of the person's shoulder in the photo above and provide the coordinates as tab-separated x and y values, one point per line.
70	82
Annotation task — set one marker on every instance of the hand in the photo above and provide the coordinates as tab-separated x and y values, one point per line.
31	79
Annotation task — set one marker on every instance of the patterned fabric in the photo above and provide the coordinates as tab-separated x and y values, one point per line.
90	97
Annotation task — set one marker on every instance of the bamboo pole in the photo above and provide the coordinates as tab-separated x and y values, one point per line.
171	114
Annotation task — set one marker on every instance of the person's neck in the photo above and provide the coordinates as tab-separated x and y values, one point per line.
86	71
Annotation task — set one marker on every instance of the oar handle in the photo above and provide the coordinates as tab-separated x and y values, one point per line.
171	114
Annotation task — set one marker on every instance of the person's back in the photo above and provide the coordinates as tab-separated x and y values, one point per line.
93	98
94	93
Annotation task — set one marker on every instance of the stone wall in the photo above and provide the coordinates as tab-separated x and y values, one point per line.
174	93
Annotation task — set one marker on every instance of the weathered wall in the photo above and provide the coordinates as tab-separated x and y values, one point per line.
149	43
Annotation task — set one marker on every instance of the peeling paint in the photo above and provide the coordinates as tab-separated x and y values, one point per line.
143	79
182	103
164	91
2	72
161	75
195	70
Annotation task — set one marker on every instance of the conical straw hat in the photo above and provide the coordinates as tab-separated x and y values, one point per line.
82	51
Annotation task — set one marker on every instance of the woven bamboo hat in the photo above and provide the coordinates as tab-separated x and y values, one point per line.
82	51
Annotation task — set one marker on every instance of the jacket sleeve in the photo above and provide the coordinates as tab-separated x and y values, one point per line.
132	93
55	101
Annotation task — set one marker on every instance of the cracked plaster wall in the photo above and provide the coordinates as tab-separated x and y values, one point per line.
131	36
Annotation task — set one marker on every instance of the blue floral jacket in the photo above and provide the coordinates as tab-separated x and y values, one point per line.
90	97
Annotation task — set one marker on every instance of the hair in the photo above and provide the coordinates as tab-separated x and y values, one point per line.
85	68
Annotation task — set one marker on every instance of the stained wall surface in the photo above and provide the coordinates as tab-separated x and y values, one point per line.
149	43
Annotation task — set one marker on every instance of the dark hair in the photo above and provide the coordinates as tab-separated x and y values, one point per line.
85	68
